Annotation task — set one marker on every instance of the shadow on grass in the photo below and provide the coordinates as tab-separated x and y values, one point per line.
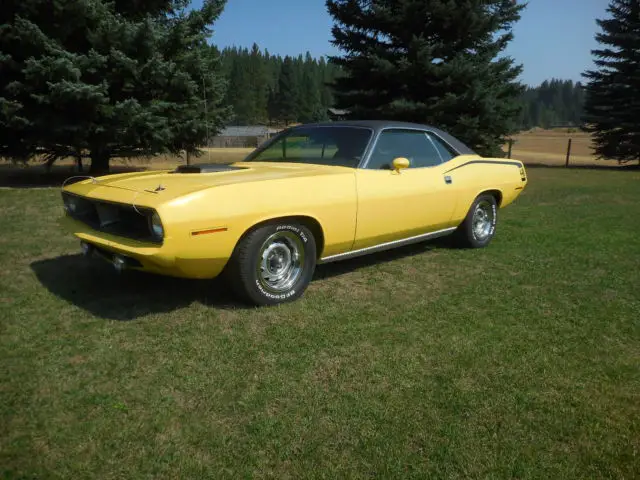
335	269
94	286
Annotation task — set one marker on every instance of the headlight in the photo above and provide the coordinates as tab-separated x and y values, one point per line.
156	226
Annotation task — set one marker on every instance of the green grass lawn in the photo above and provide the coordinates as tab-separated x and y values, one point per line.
521	360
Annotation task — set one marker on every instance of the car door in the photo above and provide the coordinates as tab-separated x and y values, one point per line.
395	205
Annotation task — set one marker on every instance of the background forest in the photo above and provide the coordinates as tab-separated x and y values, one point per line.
269	89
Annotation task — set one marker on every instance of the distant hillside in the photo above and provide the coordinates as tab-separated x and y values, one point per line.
553	103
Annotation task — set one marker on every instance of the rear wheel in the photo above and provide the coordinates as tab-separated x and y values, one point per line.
273	263
479	226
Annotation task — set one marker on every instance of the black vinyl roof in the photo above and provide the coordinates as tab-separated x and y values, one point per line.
378	125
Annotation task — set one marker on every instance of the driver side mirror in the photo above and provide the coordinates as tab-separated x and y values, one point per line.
400	163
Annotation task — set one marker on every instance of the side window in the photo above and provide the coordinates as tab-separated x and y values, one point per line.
411	144
446	153
298	148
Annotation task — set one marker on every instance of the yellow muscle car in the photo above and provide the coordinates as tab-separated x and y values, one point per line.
312	194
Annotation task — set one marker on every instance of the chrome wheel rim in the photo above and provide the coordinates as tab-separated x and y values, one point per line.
280	262
483	218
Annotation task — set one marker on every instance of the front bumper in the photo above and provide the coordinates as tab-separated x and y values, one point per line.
153	258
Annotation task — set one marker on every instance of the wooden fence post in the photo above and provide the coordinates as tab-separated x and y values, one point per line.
568	153
510	147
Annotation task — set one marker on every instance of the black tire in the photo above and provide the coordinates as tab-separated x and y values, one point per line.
469	234
263	269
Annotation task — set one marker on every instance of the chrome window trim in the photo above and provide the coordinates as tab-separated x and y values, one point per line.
434	147
365	161
387	245
447	144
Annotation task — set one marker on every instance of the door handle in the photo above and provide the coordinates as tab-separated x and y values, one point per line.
448	180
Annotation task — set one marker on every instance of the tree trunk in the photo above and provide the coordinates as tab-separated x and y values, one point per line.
79	163
48	164
99	162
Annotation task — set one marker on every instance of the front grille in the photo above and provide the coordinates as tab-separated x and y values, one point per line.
114	218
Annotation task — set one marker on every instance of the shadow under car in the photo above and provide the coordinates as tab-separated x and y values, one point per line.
93	284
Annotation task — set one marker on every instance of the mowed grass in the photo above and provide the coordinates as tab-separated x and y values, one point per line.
521	360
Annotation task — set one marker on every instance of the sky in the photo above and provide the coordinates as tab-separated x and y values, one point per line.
553	39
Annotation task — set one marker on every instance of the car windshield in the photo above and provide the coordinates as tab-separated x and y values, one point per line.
327	145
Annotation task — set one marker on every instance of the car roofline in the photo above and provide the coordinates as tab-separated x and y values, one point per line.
379	125
376	127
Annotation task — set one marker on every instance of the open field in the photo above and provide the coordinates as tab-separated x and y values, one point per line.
535	147
549	147
520	360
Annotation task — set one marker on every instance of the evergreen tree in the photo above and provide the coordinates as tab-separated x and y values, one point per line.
554	102
326	96
240	96
259	86
578	104
612	108
310	101
254	80
430	61
287	99
113	79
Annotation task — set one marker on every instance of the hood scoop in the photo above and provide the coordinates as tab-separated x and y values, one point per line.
206	168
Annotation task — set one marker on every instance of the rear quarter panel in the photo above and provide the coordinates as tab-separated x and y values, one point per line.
472	175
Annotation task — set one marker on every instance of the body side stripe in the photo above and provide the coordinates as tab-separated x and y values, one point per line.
491	162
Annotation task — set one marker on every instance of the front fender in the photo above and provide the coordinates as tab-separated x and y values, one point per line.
231	210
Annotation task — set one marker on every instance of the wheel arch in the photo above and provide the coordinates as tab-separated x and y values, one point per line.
495	193
310	222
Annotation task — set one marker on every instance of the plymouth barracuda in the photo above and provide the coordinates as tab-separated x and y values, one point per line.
312	194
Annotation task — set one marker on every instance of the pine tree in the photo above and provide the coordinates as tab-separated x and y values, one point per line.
430	61
286	103
310	101
254	81
552	102
612	108
240	96
111	79
259	85
326	95
578	104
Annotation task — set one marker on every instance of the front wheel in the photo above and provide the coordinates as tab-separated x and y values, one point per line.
273	263
479	226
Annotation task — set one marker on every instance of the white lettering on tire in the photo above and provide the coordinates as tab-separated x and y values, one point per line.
493	220
282	296
292	292
293	229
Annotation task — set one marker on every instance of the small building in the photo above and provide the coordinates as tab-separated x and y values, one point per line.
337	114
242	136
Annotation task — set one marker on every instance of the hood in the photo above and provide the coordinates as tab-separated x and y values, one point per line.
155	187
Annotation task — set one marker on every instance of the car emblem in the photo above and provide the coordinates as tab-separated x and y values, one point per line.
159	188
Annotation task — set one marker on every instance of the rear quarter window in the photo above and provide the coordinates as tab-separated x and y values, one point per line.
445	151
